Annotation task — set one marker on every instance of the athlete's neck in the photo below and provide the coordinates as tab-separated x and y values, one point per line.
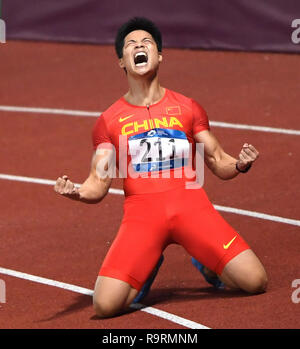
144	92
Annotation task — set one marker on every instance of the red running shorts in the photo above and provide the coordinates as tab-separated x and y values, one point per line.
153	221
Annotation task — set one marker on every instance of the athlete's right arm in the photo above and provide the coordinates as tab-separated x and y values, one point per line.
95	187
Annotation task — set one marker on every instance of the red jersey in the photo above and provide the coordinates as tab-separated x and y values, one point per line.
156	141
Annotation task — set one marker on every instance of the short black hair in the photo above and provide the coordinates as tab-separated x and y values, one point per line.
137	23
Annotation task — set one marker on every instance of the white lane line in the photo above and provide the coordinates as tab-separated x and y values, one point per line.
121	192
47	182
255	128
258	215
27	179
45	281
97	113
171	317
159	313
49	111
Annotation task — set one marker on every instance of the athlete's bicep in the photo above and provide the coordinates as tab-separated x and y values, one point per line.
101	174
102	166
213	151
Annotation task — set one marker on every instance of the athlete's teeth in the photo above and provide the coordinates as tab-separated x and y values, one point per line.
140	54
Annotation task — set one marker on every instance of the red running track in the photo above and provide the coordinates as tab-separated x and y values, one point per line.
45	235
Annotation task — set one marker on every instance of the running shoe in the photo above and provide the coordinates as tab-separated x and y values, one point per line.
147	285
214	280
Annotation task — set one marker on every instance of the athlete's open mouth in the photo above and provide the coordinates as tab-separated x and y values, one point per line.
140	58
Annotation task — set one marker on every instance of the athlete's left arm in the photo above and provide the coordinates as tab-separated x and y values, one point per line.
219	162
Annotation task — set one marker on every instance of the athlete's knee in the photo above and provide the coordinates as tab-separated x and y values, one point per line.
111	297
256	282
246	272
105	308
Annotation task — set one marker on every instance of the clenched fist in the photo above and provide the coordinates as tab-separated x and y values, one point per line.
247	156
65	187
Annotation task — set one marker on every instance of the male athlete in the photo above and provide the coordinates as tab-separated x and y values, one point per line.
157	126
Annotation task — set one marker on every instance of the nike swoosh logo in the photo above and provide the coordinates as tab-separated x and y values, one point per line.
125	118
229	243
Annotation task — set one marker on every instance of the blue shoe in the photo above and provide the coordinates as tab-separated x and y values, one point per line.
147	285
215	281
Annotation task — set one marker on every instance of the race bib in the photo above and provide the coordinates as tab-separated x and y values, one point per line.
158	149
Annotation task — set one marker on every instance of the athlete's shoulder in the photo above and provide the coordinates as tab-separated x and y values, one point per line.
198	113
113	112
179	97
110	111
189	102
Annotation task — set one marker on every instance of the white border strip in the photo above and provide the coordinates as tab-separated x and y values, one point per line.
156	312
121	192
96	114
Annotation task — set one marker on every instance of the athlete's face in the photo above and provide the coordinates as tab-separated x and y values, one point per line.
140	53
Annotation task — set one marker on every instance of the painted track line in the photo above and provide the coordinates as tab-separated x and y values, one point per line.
96	114
259	215
47	182
114	191
77	289
255	128
48	111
